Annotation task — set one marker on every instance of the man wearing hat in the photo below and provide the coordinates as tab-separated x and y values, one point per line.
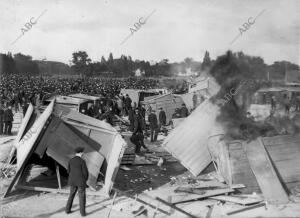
162	118
78	175
184	112
8	120
137	137
152	118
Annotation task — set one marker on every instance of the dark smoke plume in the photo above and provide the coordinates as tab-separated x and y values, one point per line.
234	74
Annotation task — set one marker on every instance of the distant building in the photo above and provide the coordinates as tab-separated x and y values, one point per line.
292	77
188	72
138	72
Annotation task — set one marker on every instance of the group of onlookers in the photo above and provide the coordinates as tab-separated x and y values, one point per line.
35	88
6	119
137	120
17	92
286	101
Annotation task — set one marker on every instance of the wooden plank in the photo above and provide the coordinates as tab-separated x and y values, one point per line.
21	131
285	153
175	208
198	191
202	189
264	172
142	201
237	200
280	140
28	144
54	190
240	169
247	208
210	193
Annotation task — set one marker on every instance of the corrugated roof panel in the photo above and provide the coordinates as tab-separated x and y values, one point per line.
188	142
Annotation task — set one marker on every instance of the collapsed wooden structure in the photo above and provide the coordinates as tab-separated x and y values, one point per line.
57	132
270	165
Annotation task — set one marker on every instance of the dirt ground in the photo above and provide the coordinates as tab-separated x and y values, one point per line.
137	182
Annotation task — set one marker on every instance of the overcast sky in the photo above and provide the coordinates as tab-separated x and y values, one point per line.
177	29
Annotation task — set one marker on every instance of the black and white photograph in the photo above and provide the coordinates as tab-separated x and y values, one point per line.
149	109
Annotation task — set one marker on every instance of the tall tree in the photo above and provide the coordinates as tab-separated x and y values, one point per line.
206	61
188	62
278	69
110	58
7	64
24	64
80	62
103	61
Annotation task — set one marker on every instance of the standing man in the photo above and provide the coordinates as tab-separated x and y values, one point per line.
25	106
120	104
78	175
8	120
184	112
273	103
286	104
137	137
91	110
152	118
1	118
131	119
162	118
297	103
127	103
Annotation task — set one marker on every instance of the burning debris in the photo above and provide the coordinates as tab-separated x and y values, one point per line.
238	86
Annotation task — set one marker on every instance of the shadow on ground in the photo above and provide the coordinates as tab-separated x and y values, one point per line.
141	178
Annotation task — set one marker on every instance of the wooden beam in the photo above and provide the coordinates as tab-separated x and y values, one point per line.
58	175
247	208
209	193
112	204
174	207
238	200
141	201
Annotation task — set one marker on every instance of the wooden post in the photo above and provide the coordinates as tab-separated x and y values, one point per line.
58	175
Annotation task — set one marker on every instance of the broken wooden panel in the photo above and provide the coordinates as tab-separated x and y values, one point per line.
27	145
285	154
188	142
264	172
61	144
240	168
220	155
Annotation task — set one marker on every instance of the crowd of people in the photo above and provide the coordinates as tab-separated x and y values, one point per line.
17	92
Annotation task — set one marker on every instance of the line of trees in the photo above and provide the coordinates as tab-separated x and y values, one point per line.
125	66
18	64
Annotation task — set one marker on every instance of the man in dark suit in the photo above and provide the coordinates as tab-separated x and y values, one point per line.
184	112
162	118
1	119
78	175
137	137
131	119
8	120
128	102
152	118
